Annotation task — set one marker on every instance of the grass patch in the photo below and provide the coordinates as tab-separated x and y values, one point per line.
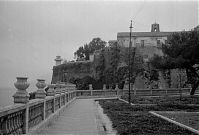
190	119
136	119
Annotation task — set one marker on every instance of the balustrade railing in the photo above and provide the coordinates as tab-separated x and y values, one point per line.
36	114
24	115
160	92
49	107
57	103
12	120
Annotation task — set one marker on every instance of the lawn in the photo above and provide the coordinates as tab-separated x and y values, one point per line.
190	119
136	119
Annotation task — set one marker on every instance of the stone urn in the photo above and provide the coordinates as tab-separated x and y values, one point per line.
51	90
40	93
21	96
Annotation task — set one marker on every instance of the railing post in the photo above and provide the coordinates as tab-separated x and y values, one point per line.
22	96
166	91
26	119
44	110
51	90
104	89
40	93
68	96
58	88
91	89
104	86
134	91
54	104
117	89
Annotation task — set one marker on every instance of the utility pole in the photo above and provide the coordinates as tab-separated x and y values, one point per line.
130	45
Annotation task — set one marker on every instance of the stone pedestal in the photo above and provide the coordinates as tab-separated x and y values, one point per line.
63	88
90	87
58	88
117	89
51	90
40	93
104	87
126	86
21	96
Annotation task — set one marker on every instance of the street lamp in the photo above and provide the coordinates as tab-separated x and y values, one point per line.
130	44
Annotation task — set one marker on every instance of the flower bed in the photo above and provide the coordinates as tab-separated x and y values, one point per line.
136	119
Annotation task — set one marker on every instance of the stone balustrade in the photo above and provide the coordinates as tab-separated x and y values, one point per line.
26	115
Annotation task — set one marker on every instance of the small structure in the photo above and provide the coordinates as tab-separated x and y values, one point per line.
58	60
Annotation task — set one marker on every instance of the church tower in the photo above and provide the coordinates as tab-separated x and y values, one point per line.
155	27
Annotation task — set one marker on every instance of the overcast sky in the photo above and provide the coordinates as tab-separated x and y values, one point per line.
33	33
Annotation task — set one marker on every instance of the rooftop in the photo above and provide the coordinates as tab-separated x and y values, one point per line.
144	34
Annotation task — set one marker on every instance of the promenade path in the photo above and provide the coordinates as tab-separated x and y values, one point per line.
79	118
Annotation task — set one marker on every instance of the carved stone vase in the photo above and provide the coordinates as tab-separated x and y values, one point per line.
51	90
40	93
21	96
58	88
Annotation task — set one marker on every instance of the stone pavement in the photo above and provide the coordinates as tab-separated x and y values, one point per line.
79	118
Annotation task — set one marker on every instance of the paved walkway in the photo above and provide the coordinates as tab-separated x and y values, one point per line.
79	118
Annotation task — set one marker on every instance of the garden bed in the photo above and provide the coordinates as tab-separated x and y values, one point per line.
136	120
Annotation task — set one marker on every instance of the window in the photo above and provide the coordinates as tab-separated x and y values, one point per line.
142	43
159	45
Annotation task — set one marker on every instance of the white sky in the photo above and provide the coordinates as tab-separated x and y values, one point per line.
33	33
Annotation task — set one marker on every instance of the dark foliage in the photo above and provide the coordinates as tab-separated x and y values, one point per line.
181	52
87	49
83	83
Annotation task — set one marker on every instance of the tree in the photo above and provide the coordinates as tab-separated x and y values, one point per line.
87	49
100	66
181	52
114	60
136	63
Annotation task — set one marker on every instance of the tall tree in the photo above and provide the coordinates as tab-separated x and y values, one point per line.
114	60
181	52
87	49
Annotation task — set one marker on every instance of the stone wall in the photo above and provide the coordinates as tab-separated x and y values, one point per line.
67	71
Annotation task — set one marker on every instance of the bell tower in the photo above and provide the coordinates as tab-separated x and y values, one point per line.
155	27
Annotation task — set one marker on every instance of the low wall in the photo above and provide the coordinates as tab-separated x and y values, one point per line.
160	92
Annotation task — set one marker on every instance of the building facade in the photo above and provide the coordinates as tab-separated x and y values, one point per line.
144	39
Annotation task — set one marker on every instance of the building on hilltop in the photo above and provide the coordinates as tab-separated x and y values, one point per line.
147	43
142	39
